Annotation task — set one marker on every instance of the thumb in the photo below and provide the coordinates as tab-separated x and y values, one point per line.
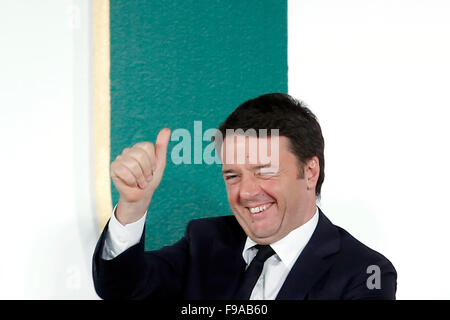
161	144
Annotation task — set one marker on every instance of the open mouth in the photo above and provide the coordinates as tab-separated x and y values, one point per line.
260	210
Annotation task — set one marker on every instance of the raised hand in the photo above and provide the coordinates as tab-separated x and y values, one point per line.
137	173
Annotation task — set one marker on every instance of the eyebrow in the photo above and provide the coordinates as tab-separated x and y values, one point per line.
228	171
268	165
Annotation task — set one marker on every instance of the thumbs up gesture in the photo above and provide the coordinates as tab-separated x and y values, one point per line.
137	173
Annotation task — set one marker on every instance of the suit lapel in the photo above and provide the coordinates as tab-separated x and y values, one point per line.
226	263
313	262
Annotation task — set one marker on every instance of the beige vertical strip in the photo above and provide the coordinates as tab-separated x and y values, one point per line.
102	111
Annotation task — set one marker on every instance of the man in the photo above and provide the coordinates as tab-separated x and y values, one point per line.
277	245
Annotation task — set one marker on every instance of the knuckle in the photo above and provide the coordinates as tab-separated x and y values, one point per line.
121	172
128	177
146	158
147	146
140	155
132	165
115	166
135	167
144	144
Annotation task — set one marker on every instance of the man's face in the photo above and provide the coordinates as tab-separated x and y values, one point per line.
268	199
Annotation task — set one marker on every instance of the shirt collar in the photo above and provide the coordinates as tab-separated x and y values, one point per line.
288	248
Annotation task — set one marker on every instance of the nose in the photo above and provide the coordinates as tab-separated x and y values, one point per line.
249	188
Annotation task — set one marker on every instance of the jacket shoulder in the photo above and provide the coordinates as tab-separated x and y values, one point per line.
222	227
356	253
366	270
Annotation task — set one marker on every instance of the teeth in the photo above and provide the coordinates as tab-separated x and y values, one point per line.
258	209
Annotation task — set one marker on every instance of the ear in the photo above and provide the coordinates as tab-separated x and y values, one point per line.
311	172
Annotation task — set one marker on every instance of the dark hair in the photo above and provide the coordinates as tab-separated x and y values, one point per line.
294	121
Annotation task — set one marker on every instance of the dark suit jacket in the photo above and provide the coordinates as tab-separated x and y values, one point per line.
207	263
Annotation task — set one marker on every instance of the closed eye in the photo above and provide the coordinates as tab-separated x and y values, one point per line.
267	173
264	173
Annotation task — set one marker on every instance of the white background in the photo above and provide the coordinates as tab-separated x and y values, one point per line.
48	224
377	75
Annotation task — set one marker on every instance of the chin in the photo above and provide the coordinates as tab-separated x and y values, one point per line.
263	238
263	232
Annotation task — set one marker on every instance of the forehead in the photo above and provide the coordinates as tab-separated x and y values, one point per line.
248	150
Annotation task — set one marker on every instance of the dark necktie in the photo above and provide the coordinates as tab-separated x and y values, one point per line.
253	272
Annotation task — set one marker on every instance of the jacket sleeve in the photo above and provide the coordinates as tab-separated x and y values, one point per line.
378	281
139	274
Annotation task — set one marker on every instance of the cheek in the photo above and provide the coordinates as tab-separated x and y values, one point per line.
294	193
272	188
284	192
233	194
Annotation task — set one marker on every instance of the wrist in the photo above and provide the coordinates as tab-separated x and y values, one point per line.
129	212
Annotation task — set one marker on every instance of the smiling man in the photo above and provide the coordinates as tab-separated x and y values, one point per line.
270	201
277	245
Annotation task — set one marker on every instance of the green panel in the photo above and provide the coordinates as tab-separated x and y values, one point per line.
176	61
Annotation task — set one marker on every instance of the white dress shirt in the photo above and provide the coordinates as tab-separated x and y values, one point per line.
276	268
119	238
